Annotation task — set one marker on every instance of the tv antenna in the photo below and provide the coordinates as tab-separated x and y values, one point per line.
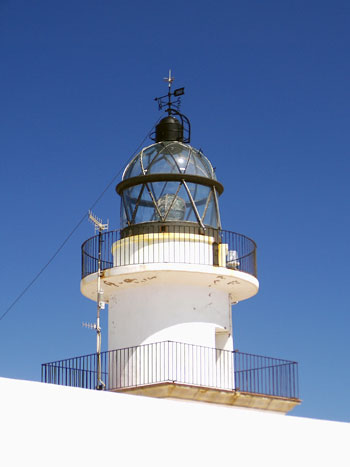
100	227
165	101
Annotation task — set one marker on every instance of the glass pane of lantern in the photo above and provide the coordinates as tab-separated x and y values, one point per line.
164	193
169	157
161	188
163	163
211	215
130	198
190	214
146	156
200	195
199	165
134	169
123	217
145	209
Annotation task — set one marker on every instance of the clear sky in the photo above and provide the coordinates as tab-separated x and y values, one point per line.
267	92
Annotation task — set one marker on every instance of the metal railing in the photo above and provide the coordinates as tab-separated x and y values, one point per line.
266	375
176	244
180	363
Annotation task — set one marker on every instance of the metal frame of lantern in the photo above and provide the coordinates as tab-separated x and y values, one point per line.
165	203
182	179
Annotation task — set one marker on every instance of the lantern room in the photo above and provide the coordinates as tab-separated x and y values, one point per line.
168	182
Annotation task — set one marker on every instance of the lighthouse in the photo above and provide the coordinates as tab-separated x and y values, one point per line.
175	272
170	276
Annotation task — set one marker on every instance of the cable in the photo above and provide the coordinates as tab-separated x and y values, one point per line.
36	277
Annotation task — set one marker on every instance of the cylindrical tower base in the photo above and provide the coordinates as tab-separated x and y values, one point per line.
167	311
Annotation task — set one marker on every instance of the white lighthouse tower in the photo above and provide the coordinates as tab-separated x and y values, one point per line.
171	274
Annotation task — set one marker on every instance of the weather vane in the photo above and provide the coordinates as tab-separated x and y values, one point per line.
165	101
169	79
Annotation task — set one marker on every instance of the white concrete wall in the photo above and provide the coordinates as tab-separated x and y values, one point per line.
45	425
179	312
171	361
176	247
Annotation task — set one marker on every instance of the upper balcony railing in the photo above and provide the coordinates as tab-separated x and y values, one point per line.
178	363
169	244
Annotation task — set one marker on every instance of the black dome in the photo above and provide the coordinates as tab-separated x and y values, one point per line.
169	129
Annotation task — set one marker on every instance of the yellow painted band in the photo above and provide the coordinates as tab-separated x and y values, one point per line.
160	237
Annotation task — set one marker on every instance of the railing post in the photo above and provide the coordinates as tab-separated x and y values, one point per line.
215	254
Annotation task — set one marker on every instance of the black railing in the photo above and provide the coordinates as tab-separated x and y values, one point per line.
266	375
178	363
176	244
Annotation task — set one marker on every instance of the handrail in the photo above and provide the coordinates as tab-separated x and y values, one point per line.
178	244
181	363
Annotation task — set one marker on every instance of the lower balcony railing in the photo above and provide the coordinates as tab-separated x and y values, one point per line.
180	363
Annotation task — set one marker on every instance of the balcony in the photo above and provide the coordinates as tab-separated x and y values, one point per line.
181	244
185	371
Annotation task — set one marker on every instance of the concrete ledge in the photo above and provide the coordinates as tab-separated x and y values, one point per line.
216	396
240	285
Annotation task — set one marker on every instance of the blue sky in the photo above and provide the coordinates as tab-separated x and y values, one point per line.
267	92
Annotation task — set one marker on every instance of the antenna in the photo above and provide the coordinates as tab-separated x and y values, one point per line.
89	325
100	227
98	222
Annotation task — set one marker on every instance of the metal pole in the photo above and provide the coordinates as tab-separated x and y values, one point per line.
100	303
100	384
